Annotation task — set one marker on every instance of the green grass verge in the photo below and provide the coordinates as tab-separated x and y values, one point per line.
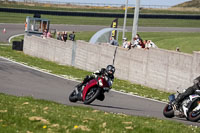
11	18
27	115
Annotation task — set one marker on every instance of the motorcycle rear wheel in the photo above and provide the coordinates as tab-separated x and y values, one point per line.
168	111
91	95
73	97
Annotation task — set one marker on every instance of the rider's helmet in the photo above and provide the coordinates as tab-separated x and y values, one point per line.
110	69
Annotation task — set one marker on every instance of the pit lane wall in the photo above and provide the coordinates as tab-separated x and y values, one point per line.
156	68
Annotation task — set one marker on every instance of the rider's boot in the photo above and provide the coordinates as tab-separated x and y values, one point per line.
175	105
79	86
79	89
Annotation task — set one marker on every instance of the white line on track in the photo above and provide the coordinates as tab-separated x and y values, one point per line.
9	40
12	61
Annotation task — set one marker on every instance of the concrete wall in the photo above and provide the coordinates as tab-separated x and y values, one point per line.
49	49
156	68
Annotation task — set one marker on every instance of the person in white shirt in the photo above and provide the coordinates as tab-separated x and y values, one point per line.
150	44
125	43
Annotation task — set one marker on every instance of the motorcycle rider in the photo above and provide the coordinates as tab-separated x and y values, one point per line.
189	91
108	72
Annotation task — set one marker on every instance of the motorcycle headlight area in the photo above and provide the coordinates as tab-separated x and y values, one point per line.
100	82
171	98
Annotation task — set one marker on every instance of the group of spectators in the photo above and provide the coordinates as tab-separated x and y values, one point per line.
138	43
63	36
46	34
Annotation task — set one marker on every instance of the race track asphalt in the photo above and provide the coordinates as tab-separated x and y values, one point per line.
19	80
13	29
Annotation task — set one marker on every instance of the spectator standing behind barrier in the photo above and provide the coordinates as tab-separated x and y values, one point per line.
141	44
49	34
137	41
72	36
178	49
145	44
59	36
150	44
126	44
113	41
44	35
65	36
138	38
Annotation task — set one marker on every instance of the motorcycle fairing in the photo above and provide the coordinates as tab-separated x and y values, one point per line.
191	103
193	96
89	85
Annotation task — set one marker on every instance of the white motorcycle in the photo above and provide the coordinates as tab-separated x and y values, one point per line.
188	108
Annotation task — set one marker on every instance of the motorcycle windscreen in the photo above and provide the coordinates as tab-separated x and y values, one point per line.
171	97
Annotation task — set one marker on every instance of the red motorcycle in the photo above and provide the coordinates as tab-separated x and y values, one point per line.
93	89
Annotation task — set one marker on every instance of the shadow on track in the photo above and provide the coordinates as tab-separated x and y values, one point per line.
113	107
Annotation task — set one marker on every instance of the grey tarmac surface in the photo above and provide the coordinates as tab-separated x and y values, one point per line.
16	79
13	29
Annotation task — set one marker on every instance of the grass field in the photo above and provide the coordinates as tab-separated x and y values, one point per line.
27	115
186	41
11	18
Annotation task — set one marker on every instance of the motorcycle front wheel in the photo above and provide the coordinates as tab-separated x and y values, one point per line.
168	111
91	95
194	116
73	97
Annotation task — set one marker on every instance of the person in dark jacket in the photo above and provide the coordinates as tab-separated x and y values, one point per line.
189	91
108	72
72	36
64	36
